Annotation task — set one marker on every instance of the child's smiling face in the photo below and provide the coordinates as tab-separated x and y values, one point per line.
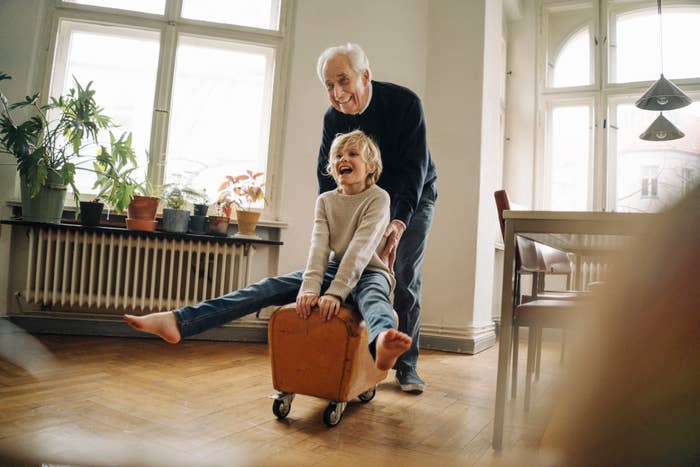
350	169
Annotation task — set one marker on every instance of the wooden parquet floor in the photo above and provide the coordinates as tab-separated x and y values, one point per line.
112	401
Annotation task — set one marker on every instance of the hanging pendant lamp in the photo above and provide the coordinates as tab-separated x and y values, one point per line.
663	94
661	130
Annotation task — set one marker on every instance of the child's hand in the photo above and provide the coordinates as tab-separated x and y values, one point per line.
305	302
329	305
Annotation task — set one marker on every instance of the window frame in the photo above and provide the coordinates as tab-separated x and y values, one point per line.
603	92
170	26
543	163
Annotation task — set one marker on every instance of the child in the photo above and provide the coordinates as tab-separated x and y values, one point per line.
349	222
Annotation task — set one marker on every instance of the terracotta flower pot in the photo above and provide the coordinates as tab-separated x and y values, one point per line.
143	207
247	222
218	225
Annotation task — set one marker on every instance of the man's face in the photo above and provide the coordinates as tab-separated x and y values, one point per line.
347	90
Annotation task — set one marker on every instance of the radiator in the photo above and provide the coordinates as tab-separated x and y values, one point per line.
131	273
591	269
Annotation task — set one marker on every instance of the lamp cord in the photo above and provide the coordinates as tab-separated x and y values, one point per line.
661	39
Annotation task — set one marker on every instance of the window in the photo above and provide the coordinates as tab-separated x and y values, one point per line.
125	88
569	46
145	6
569	156
226	81
687	179
635	39
251	13
590	155
630	158
572	67
196	87
650	181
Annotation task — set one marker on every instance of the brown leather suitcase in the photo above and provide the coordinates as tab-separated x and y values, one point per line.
326	359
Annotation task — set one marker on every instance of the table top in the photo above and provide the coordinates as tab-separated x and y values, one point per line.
597	216
589	232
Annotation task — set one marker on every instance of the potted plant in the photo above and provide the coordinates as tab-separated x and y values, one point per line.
113	169
244	193
175	218
200	204
218	223
120	189
48	146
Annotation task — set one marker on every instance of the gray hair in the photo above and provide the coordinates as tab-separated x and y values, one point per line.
357	57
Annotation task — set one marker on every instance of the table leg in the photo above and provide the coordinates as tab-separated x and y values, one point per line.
506	337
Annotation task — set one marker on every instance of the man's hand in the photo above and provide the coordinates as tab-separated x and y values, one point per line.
393	232
305	302
329	305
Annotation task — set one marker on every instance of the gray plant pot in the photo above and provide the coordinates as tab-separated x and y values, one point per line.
47	205
175	220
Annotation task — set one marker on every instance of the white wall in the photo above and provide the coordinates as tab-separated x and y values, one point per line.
399	56
519	151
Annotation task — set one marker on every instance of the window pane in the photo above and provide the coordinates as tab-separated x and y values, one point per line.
634	56
573	65
653	175
568	44
253	13
220	115
570	154
145	6
124	88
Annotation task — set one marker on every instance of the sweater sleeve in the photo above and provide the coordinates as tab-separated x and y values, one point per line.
319	250
364	243
414	152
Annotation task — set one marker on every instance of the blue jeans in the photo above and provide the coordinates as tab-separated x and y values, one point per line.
371	295
408	269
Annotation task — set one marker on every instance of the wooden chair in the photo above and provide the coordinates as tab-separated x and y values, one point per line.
540	309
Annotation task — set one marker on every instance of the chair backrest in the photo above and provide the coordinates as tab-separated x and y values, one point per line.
530	259
554	261
502	204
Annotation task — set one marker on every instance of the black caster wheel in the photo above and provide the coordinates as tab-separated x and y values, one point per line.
282	405
368	395
333	413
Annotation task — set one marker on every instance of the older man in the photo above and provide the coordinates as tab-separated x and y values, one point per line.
393	116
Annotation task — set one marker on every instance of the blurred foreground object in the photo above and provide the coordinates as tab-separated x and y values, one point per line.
634	396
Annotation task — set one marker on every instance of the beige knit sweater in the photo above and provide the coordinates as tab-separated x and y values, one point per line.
348	229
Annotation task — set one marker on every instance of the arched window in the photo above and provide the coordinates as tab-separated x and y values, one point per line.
590	155
573	63
634	48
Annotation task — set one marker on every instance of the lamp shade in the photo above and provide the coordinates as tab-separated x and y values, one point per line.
663	95
661	130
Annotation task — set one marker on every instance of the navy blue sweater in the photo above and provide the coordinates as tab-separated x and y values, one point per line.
394	119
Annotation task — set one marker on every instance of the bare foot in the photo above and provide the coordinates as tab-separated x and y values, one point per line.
161	324
390	344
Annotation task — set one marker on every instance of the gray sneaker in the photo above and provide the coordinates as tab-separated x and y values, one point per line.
409	380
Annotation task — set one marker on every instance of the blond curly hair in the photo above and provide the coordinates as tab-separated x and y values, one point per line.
367	148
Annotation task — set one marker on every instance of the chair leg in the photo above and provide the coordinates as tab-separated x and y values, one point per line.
563	347
538	356
531	350
516	342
